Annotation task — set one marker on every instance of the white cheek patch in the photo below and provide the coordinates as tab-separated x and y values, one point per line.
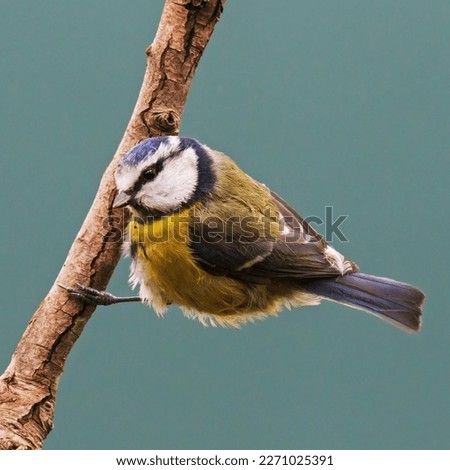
175	184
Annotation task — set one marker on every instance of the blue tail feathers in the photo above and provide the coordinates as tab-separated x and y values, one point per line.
393	301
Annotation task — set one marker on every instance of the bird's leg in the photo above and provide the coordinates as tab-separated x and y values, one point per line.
97	297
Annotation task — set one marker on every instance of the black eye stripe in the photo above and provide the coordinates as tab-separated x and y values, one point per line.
149	174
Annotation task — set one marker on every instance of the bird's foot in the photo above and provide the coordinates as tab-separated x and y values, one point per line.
96	297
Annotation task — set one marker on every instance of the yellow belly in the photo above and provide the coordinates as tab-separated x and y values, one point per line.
161	250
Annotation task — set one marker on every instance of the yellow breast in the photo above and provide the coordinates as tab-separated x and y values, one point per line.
161	249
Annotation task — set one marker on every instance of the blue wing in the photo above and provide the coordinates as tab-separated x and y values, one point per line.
297	251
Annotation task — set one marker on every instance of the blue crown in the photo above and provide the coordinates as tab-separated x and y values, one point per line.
142	150
150	146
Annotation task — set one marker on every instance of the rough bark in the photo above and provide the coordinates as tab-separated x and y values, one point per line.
28	386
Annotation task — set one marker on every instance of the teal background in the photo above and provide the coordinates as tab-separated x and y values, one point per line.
342	104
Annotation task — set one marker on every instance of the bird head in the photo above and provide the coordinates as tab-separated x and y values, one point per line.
161	175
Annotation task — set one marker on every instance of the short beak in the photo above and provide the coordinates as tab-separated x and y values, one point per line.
121	199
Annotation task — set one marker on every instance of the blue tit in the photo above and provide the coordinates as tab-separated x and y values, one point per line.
206	236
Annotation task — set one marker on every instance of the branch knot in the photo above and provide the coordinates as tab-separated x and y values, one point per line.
192	3
161	122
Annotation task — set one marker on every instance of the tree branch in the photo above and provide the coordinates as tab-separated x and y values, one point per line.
29	385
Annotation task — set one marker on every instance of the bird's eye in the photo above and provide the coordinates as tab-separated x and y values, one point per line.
149	174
